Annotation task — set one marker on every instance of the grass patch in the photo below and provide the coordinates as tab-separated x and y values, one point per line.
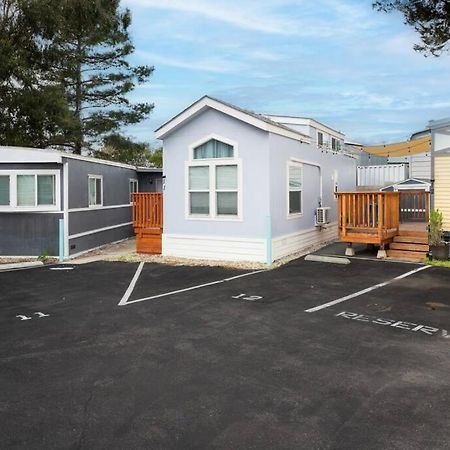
437	262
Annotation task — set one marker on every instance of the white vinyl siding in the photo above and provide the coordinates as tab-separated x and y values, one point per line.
295	187
29	190
95	190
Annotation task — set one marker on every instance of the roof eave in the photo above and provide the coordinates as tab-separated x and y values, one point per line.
205	102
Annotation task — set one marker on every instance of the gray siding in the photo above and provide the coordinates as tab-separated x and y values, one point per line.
115	192
82	221
253	150
33	233
115	183
29	234
91	241
282	150
150	182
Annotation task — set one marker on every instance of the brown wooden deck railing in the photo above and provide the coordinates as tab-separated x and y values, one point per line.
370	217
148	210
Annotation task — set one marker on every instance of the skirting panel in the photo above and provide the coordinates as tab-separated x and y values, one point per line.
303	240
214	248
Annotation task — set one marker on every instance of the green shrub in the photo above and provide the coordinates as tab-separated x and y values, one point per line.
435	228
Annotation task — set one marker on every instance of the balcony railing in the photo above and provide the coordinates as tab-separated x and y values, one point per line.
371	217
148	210
375	217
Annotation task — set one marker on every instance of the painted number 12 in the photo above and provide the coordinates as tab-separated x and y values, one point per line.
250	298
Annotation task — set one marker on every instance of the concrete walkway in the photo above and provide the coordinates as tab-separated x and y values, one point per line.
109	251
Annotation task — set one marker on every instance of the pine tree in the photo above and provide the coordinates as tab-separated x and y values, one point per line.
430	18
90	42
33	112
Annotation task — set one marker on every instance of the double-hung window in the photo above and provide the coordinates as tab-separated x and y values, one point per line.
95	190
295	188
29	190
213	181
133	186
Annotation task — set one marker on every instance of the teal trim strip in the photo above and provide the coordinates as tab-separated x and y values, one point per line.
269	240
61	239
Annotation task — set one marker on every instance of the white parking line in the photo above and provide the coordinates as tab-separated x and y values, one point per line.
365	291
129	291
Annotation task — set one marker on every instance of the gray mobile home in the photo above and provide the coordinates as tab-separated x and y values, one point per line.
63	204
244	186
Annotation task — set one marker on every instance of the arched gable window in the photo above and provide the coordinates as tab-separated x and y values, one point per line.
213	149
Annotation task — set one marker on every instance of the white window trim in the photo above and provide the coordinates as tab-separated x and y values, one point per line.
300	214
97	177
13	190
212	163
129	190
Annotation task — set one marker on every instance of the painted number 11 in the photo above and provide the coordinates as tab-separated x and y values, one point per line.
250	298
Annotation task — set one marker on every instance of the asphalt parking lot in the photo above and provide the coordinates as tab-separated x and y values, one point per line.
213	358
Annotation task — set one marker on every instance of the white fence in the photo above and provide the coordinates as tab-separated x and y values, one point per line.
381	175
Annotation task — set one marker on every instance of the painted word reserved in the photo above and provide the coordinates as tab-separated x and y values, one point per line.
408	326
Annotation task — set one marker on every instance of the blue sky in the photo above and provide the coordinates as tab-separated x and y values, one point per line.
340	62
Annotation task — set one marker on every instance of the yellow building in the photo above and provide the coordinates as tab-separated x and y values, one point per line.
440	134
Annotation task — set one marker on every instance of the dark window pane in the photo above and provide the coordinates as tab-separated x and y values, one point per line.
199	202
213	149
98	191
4	190
46	189
295	202
227	203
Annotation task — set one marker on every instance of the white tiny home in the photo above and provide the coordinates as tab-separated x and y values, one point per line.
247	187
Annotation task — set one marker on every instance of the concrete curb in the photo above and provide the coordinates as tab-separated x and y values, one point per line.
327	259
18	266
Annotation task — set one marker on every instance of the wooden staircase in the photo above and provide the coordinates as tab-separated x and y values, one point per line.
409	246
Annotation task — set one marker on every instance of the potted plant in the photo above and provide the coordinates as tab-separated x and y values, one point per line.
438	247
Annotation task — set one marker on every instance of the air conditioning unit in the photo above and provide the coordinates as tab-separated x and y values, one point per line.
322	216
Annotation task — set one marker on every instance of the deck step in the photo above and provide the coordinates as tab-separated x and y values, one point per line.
409	246
408	256
411	239
412	233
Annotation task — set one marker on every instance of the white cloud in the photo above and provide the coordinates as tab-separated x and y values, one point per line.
213	64
247	15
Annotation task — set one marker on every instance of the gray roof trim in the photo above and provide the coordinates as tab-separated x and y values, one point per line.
149	169
17	155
